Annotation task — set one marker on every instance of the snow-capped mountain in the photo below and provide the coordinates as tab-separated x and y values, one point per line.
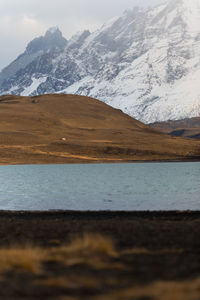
53	40
146	63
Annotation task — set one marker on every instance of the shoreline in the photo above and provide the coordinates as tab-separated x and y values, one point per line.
100	215
105	162
136	213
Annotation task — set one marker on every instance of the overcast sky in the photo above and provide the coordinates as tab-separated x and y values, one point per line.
23	20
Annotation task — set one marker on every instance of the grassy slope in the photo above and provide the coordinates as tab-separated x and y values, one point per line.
32	129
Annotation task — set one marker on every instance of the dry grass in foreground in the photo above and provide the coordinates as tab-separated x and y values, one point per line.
186	290
100	255
89	267
90	249
22	259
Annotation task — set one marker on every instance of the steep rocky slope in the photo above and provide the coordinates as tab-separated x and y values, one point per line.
51	41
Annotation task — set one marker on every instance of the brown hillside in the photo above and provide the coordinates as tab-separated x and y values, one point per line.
68	128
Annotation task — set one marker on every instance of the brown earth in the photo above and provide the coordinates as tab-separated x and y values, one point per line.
187	128
69	129
100	255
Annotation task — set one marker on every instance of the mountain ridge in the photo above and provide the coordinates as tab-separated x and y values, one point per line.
145	63
188	128
52	40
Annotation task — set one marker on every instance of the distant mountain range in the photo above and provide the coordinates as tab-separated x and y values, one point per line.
146	63
189	128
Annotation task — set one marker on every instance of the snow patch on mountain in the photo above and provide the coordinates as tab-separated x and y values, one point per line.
34	85
191	16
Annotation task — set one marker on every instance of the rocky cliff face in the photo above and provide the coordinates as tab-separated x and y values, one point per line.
146	62
51	41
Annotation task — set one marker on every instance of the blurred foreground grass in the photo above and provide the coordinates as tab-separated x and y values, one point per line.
88	267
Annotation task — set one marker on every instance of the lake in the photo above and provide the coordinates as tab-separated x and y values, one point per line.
140	186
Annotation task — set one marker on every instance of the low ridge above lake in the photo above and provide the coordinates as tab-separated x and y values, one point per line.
68	128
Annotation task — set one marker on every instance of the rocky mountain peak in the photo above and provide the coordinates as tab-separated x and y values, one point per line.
53	30
55	33
53	38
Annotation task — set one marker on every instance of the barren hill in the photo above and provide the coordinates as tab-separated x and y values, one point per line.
67	128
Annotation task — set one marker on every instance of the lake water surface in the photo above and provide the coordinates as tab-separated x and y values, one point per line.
143	186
